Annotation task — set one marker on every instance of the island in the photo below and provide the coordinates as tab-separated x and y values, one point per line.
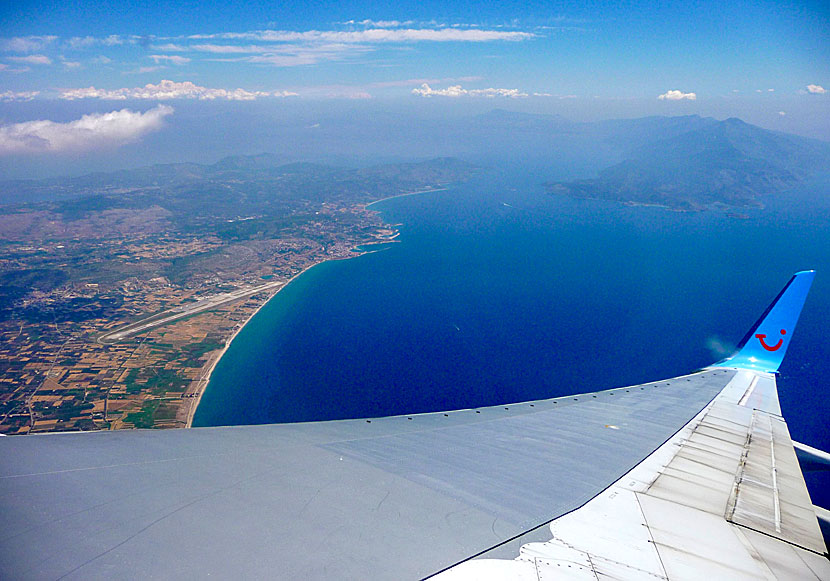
706	165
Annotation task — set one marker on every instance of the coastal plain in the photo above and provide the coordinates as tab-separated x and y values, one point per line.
121	290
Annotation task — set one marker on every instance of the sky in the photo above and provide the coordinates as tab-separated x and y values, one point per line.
79	77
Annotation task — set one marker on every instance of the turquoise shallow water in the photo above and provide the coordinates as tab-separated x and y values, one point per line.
498	292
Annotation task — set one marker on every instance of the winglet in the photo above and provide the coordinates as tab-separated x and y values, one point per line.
763	348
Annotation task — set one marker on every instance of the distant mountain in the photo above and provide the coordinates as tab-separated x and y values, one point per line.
726	162
685	162
250	162
258	171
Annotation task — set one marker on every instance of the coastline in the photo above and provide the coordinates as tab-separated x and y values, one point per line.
217	356
407	194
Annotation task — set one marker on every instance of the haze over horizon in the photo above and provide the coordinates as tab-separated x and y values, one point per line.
104	85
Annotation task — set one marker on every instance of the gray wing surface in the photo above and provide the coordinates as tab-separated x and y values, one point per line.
400	497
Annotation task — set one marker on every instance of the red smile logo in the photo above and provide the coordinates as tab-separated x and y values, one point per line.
775	347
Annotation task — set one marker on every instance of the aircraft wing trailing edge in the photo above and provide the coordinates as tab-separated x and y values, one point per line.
685	478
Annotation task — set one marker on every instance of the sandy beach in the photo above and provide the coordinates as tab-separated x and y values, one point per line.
217	356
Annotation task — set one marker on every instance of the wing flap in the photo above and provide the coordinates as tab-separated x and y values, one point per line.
769	494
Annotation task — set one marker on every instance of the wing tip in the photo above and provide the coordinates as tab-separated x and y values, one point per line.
764	346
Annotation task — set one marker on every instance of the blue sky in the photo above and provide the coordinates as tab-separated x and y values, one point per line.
767	62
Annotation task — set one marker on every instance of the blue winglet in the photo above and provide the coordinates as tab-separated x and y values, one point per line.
763	348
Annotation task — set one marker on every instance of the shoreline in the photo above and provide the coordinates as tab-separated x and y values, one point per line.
406	194
211	365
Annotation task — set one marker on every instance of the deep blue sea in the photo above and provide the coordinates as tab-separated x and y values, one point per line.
498	292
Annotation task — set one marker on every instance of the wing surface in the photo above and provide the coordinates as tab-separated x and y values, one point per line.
411	496
390	498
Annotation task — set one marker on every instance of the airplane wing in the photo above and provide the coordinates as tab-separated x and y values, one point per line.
671	479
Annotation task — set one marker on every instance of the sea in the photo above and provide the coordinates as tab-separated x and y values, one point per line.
497	292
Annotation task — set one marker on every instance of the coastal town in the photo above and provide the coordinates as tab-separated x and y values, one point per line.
119	297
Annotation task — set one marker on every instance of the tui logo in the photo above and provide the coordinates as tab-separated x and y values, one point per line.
761	338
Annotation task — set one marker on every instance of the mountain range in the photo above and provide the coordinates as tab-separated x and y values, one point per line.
684	162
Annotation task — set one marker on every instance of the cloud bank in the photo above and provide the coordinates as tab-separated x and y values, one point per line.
32	59
172	59
275	47
26	43
89	132
167	90
457	91
372	35
675	95
18	95
816	89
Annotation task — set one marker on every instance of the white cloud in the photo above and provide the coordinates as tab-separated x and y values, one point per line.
172	59
6	68
115	40
368	23
69	65
287	55
457	91
102	60
231	48
355	94
81	42
284	48
675	95
32	59
89	132
170	47
18	95
512	93
165	90
782	113
275	47
372	35
426	91
816	89
26	43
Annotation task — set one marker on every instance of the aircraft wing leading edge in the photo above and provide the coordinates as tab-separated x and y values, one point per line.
410	496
